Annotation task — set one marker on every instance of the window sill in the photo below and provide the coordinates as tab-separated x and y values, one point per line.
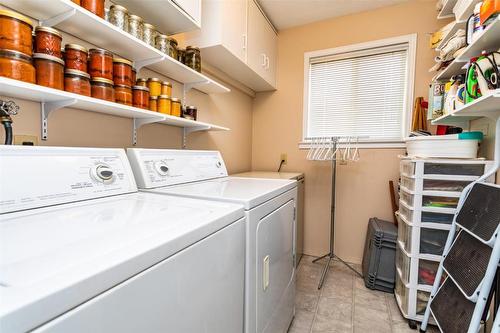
363	145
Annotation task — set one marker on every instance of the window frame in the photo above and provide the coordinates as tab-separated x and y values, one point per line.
411	40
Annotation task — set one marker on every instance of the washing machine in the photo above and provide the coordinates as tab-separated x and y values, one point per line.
270	209
81	250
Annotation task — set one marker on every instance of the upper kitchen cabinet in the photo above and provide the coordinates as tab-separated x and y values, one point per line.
168	16
237	38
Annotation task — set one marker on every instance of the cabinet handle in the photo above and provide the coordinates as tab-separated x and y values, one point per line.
244	42
267	62
264	61
265	273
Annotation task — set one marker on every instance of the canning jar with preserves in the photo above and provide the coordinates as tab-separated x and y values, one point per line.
181	55
75	57
123	94
100	63
149	34
166	88
94	6
102	88
122	72
118	16
77	82
190	112
77	2
192	58
16	32
164	104
176	107
172	51
49	71
17	65
141	82
154	86
134	75
140	97
162	43
48	40
136	26
153	103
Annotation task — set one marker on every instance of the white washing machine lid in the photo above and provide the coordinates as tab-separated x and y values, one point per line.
246	191
54	258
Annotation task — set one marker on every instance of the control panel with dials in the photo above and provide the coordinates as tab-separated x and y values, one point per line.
162	167
34	177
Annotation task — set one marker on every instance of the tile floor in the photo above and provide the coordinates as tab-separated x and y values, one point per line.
344	304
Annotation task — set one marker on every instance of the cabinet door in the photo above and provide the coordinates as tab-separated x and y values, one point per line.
192	8
261	53
234	28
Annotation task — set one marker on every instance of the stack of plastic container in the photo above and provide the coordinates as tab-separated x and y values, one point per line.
429	192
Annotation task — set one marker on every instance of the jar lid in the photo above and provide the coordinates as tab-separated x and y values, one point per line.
122	61
172	40
166	83
164	96
101	51
162	36
76	47
153	97
191	107
49	30
141	80
135	18
48	57
16	16
77	73
122	86
175	99
102	80
153	79
6	53
195	48
140	88
149	26
118	8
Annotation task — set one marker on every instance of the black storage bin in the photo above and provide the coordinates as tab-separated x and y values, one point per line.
379	257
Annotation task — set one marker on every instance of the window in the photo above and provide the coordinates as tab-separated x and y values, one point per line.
360	90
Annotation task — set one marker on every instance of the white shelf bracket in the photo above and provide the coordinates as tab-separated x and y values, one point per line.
138	122
50	22
47	108
189	86
187	130
138	64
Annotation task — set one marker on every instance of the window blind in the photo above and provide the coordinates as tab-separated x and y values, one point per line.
360	93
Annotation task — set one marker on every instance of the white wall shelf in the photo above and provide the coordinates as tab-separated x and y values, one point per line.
75	20
165	15
486	106
53	99
488	41
447	10
454	28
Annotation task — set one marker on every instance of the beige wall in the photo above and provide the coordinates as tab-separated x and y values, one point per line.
71	127
362	189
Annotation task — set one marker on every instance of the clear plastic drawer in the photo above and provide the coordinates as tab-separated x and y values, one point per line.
432	241
403	264
420	168
407	198
439	202
422	299
401	294
427	270
444	185
408	183
430	217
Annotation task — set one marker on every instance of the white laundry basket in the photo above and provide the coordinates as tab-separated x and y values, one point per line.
463	145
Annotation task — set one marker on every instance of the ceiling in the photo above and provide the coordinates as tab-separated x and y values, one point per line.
290	13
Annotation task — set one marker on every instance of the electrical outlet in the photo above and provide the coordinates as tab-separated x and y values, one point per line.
26	140
284	157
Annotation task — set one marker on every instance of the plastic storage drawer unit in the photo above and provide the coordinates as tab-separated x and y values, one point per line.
379	255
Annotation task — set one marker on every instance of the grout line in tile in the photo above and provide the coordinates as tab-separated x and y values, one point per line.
388	306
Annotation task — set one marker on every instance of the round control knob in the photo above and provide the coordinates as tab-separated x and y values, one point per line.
103	173
161	168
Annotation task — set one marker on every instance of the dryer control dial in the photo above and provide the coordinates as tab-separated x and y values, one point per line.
103	173
162	168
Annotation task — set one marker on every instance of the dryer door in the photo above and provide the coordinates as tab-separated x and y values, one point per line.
275	269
